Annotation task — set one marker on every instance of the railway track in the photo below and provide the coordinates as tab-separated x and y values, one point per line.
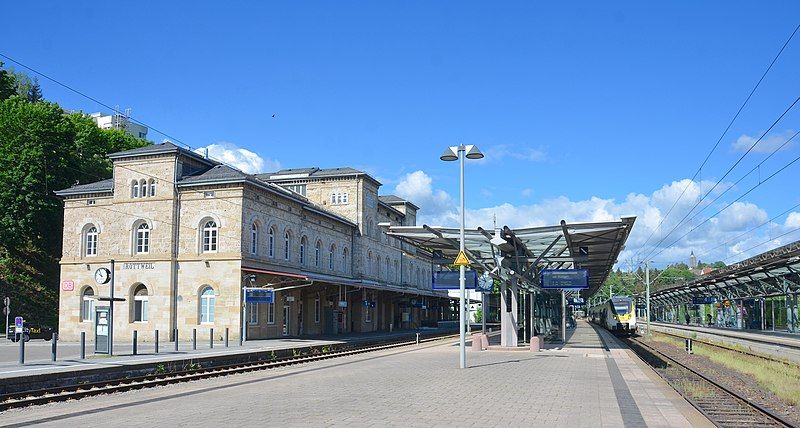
722	346
72	392
723	406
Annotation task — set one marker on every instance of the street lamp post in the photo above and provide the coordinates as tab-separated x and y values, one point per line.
460	153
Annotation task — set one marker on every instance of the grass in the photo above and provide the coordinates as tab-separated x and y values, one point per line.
781	379
693	389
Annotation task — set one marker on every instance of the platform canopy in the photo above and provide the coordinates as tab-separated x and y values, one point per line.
521	254
774	272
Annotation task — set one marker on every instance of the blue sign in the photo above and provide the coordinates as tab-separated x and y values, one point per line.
18	321
564	278
703	300
449	280
259	295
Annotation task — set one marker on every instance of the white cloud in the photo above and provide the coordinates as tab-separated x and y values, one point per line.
240	158
526	193
708	240
767	144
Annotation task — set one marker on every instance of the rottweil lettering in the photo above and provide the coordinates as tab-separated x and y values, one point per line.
138	266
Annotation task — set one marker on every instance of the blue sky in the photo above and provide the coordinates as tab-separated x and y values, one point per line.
586	111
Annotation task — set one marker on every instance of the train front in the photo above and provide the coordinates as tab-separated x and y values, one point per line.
623	315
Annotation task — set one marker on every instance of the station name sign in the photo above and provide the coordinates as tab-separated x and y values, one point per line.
564	278
138	266
449	280
259	295
703	300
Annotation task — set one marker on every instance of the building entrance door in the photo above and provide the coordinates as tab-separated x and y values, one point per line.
287	313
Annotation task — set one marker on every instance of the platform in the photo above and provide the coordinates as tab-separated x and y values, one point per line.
582	384
785	346
38	352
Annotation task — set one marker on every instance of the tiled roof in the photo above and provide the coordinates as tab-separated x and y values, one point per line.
157	149
294	173
96	187
395	200
215	174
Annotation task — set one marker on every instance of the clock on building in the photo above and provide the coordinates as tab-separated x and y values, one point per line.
102	276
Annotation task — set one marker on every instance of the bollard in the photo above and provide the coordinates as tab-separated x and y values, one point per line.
176	339
226	337
211	338
156	343
417	338
83	345
194	339
688	346
22	348
53	346
135	337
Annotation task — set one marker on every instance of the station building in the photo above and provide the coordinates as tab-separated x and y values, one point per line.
182	235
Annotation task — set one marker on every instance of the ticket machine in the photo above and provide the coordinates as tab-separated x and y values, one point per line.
102	324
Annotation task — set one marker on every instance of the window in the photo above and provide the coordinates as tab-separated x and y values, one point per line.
369	263
396	272
388	273
344	260
152	187
91	202
271	242
140	304
297	188
316	310
207	301
87	304
210	232
270	313
252	313
331	255
134	189
208	194
317	253
254	239
339	198
303	242
143	239
287	245
143	188
91	241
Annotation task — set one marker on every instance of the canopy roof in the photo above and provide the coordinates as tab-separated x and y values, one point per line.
774	272
522	253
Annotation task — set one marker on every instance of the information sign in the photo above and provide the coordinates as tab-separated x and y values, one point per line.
703	300
259	295
449	280
564	278
68	285
18	322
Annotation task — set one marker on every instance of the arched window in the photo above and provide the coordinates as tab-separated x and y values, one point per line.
396	272
287	245
90	242
388	270
377	266
317	253
152	187
140	303
87	304
207	301
254	239
271	242
143	238
142	188
210	236
134	189
344	260
368	267
331	257
303	244
368	227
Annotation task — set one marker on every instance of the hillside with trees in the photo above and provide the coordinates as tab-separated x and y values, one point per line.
42	149
628	283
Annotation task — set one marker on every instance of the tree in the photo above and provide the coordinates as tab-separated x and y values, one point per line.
7	83
35	92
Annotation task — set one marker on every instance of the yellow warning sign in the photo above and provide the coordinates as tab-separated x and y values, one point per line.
461	260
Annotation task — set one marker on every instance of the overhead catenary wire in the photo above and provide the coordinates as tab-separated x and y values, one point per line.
730	204
725	132
681	222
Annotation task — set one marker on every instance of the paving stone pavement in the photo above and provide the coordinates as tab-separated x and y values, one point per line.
413	386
